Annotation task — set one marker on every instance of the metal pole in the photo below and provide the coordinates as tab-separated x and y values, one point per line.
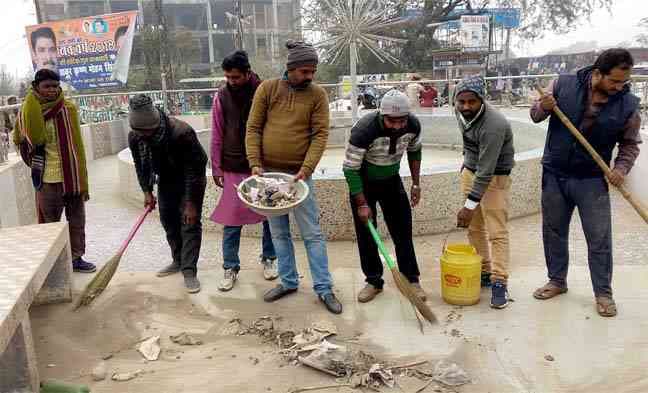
275	32
37	8
140	14
239	42
507	52
165	99
353	54
210	33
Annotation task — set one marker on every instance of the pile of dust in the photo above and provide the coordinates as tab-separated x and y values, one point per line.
122	317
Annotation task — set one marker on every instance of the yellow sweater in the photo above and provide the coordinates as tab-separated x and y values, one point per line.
287	129
53	168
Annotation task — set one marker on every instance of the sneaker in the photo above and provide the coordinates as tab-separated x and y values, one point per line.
500	298
485	279
81	266
368	293
420	293
192	284
332	303
229	278
269	268
168	270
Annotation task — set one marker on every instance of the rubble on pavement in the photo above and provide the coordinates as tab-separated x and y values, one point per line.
312	347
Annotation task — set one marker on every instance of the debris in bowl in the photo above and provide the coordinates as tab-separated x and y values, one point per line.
271	192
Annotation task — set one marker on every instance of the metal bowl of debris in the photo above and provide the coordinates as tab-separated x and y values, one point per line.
273	194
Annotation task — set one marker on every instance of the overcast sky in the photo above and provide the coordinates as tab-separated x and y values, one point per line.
608	29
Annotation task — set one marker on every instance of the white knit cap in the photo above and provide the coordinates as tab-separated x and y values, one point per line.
394	104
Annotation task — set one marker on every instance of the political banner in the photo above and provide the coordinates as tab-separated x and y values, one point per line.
89	53
474	33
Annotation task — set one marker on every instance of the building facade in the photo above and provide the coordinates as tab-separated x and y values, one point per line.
267	23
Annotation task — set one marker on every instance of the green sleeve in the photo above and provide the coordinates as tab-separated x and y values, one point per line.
415	155
354	181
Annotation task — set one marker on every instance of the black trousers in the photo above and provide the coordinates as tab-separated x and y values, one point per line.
395	205
184	240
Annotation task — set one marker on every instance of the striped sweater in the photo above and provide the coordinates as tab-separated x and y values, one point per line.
375	153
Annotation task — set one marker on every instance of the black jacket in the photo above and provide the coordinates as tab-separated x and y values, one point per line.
178	160
563	154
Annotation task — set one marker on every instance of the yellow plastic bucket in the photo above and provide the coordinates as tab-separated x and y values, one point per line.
460	275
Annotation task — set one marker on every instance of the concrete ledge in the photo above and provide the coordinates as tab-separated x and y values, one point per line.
35	262
18	199
105	139
435	214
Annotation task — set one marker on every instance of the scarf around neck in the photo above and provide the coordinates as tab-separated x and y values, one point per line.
31	127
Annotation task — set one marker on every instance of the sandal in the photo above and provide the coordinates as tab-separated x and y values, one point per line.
548	291
605	306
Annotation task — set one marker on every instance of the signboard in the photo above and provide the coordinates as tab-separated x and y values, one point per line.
474	32
508	18
88	53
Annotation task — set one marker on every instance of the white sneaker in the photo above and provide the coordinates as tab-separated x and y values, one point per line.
229	278
269	268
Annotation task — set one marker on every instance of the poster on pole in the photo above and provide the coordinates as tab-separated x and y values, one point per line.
475	31
89	53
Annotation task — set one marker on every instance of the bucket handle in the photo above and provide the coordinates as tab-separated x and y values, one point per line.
445	243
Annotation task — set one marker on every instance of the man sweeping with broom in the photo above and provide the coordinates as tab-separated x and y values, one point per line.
166	151
371	167
598	102
48	135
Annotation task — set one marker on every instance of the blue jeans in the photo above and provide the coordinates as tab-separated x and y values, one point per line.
560	196
307	217
232	242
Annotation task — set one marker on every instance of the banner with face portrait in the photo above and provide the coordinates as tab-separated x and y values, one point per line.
89	53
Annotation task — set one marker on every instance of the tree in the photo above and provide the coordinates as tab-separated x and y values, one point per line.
7	83
538	17
642	39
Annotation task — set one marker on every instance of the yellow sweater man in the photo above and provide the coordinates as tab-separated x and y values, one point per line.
287	131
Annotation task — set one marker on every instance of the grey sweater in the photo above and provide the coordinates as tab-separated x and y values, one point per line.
488	148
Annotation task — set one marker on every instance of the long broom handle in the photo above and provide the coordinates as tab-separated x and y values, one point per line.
134	230
597	158
381	246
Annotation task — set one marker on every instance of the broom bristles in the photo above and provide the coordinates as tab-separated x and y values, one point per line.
99	282
406	290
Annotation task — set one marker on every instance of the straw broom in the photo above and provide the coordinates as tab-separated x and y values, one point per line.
100	280
401	281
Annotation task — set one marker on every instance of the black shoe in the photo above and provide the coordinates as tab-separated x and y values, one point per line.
168	270
192	284
277	293
81	266
485	279
332	303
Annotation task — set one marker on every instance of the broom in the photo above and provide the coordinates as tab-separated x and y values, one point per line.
100	280
597	158
402	283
